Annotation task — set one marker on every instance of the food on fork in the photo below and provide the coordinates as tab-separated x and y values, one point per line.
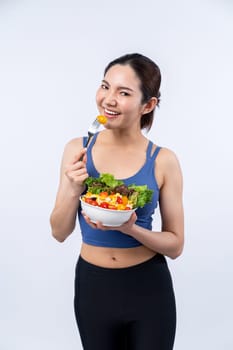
102	119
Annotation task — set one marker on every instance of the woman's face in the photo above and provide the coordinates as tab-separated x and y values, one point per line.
119	97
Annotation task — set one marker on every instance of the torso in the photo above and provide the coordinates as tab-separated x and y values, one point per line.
115	257
118	257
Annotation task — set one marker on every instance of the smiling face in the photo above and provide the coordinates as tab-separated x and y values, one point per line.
119	97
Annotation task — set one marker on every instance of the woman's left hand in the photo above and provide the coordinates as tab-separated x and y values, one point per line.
124	228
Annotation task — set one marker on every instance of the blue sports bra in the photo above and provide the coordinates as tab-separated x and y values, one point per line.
145	176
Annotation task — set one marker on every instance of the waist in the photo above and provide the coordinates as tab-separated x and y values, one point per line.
115	257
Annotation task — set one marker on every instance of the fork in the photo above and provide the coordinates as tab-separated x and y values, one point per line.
92	130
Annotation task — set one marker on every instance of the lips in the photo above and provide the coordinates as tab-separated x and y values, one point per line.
110	113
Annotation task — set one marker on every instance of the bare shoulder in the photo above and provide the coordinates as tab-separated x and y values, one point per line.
167	157
72	147
167	166
74	143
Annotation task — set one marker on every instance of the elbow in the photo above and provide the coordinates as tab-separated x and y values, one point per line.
60	234
177	252
175	255
56	233
58	238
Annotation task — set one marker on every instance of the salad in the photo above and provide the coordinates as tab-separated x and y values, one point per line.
110	193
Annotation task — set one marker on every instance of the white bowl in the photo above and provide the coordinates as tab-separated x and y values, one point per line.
108	217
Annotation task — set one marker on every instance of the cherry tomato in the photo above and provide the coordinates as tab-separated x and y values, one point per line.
91	201
119	200
104	205
88	200
127	208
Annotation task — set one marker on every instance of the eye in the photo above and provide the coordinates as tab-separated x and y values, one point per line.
124	93
104	86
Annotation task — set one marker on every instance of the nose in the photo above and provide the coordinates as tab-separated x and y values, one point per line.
110	99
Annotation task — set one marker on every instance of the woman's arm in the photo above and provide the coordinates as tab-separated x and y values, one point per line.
170	241
72	175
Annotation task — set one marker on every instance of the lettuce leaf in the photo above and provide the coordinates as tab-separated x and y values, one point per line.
105	182
144	194
139	195
109	180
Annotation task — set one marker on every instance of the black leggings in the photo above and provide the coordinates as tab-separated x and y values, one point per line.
129	308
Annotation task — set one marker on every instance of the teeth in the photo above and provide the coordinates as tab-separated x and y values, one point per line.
110	112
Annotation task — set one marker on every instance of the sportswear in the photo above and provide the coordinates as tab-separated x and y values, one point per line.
125	308
145	176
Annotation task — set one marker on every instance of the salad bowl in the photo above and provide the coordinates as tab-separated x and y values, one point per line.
108	217
111	201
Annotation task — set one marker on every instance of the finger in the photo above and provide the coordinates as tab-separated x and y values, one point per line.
76	171
79	180
76	166
97	225
85	158
79	156
88	221
133	218
100	226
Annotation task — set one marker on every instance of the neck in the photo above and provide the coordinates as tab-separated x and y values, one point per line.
124	137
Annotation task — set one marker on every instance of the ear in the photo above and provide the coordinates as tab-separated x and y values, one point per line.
150	105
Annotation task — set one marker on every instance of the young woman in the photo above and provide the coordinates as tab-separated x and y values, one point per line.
124	297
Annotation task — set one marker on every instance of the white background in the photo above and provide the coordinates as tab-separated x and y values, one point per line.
52	56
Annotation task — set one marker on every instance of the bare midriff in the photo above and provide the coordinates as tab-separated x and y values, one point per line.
115	257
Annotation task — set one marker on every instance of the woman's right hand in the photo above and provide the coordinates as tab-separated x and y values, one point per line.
76	171
73	173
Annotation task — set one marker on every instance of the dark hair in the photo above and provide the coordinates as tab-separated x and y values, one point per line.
150	77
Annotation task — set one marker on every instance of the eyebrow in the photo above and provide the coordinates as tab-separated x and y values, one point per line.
120	87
